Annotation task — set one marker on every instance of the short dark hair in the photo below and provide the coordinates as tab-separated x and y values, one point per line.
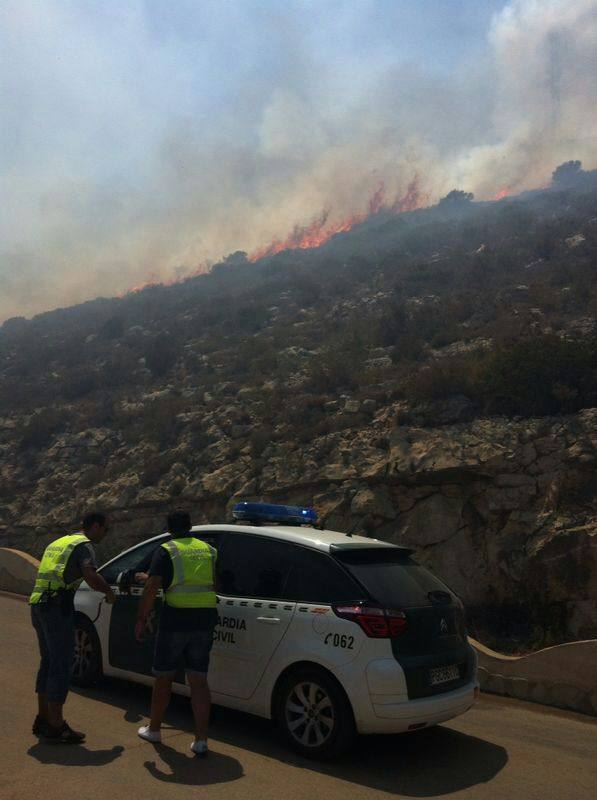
89	520
179	522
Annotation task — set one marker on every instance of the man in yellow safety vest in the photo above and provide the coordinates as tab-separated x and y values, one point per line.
184	568
65	562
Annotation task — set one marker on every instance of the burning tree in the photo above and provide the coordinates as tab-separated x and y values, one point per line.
457	198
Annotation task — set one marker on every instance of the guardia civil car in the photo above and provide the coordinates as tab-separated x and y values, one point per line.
329	634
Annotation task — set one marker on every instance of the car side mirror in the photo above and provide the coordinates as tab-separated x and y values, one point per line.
125	580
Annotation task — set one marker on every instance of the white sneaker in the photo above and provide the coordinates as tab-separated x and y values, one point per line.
148	735
199	748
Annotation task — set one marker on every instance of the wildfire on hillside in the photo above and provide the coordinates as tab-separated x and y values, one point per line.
320	230
154	281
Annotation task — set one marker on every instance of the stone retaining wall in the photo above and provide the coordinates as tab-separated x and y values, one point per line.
564	676
17	571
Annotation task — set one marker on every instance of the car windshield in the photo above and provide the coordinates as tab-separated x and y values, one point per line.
391	577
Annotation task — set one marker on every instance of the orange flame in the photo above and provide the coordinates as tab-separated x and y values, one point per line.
378	199
412	200
154	281
318	231
502	193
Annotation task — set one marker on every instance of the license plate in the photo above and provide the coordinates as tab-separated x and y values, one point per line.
443	674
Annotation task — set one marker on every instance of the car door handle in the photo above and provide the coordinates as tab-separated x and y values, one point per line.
269	620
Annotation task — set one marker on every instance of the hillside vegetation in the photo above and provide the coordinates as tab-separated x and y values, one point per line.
463	325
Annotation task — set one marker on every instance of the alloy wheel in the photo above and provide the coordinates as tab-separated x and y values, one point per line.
83	653
309	714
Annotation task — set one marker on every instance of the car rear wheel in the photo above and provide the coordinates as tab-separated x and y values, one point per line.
315	714
87	662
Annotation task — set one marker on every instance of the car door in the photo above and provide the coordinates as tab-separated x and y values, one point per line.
124	652
253	614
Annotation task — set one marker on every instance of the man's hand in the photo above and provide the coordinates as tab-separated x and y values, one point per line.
140	629
150	591
110	597
141	577
96	581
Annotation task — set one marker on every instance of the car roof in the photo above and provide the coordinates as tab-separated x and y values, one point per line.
299	534
323	540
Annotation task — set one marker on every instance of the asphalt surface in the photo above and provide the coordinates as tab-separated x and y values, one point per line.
500	749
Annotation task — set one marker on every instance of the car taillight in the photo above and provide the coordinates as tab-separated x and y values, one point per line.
378	623
397	622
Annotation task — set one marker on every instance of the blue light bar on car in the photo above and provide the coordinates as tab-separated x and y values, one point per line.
269	512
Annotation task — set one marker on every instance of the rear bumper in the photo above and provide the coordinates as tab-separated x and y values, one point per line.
388	717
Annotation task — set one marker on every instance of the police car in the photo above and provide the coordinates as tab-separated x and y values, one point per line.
327	633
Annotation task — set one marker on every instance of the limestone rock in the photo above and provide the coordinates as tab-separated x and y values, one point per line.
374	501
432	520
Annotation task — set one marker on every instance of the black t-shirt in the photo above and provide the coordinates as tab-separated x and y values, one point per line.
178	619
83	555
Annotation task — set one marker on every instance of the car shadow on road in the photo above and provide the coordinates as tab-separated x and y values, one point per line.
427	763
73	755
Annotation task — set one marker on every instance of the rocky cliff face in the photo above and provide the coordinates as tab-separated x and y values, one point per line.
365	378
503	510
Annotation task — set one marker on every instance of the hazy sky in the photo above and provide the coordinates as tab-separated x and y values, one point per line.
142	139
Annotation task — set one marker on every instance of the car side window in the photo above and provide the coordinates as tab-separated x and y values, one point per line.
316	578
254	566
138	559
210	538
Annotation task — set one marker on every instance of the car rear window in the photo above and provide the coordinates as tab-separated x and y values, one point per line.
391	577
317	578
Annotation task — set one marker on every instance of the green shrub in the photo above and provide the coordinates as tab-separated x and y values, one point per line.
41	427
156	467
542	375
260	438
77	383
113	328
160	355
444	378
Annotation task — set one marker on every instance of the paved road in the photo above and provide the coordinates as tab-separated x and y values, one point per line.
502	749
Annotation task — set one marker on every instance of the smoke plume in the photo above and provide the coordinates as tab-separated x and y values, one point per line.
132	152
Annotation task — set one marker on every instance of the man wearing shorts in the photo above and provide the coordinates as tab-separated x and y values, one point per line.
65	562
184	568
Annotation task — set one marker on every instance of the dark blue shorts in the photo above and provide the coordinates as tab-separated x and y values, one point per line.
187	649
55	630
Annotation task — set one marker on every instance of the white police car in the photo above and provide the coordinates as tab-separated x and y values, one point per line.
327	633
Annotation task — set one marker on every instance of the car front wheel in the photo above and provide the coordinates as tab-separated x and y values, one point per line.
315	714
87	662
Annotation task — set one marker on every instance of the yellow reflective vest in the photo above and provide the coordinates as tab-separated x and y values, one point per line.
50	575
193	574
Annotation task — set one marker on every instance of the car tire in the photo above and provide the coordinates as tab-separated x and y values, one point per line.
315	714
87	662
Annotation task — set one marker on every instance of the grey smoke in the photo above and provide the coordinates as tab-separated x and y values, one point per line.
181	190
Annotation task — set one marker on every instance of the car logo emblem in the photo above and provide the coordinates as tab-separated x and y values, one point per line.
443	627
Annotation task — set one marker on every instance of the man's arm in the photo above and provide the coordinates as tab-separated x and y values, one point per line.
98	583
152	587
147	566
